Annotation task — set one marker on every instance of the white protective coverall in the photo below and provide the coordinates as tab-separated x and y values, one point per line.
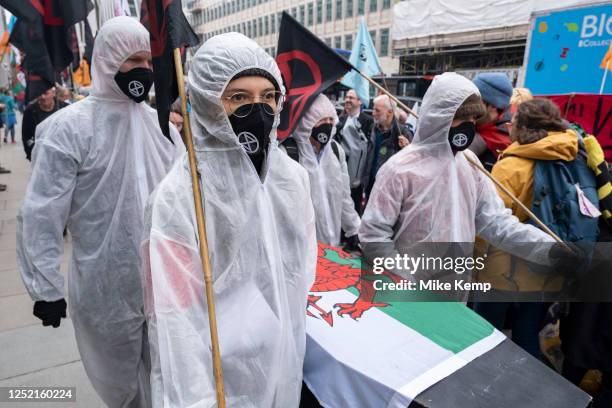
262	242
329	180
425	194
94	166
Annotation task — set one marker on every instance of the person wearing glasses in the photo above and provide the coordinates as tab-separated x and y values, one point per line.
261	236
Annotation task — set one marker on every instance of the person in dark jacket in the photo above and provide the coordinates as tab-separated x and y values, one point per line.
386	138
586	341
352	132
43	107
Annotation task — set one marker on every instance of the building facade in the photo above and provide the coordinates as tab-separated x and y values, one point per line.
334	21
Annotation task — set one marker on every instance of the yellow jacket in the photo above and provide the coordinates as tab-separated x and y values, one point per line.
515	171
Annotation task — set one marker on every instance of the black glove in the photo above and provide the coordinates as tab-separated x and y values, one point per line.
50	313
352	243
566	262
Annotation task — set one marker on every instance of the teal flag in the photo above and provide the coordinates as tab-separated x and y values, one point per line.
364	58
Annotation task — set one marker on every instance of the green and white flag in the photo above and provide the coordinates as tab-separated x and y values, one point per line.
368	354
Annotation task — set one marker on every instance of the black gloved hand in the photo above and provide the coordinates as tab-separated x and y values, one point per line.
564	261
50	313
352	243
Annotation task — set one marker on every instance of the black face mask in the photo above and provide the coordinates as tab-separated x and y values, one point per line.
322	133
253	131
461	137
135	83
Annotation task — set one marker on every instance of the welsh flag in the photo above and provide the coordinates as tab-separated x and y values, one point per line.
364	352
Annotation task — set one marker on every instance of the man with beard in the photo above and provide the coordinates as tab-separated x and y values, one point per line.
353	130
386	139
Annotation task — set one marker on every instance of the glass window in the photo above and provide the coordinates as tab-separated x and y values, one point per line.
259	26
310	21
384	42
348	42
337	41
373	36
273	23
279	17
338	9
349	8
360	7
328	10
328	41
273	51
319	11
386	4
294	12
302	18
373	6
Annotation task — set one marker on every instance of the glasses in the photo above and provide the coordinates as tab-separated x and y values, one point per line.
241	103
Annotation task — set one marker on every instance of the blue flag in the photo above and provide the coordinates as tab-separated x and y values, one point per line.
364	58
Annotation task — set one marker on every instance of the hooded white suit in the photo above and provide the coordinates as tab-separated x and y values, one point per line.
329	180
262	242
94	165
424	193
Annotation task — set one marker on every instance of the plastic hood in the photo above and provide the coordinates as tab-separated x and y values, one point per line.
212	68
116	41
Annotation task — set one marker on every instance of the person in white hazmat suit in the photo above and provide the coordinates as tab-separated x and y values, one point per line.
261	236
325	161
94	166
429	192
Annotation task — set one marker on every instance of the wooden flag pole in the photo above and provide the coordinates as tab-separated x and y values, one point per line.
199	210
479	167
518	202
386	92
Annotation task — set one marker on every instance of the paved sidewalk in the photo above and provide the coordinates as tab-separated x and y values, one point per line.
30	354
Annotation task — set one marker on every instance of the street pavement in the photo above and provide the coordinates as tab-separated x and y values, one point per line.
30	354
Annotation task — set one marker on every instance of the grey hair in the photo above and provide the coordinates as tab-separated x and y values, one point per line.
387	101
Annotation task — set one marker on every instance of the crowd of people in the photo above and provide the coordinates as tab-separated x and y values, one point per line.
102	168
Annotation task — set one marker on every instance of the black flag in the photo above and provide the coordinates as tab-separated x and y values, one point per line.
169	30
24	9
44	32
308	67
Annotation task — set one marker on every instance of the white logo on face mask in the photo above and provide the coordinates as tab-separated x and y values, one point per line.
249	142
136	88
460	140
322	137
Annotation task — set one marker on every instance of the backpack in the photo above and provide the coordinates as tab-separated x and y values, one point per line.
556	198
291	148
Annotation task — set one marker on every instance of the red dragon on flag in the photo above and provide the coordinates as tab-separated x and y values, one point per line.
336	270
